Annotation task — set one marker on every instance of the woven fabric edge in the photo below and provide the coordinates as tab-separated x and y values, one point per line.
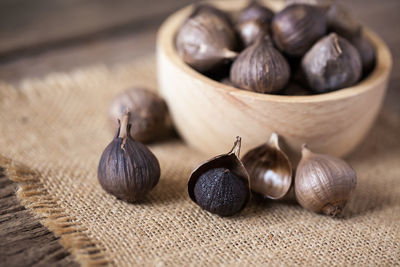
33	196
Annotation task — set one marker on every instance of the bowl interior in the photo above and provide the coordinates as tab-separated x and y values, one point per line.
382	66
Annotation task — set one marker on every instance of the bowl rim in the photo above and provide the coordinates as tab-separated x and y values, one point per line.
166	44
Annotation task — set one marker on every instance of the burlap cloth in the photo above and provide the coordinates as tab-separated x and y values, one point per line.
53	131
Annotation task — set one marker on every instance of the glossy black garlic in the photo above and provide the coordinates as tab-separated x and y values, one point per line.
332	63
127	168
253	21
260	68
221	185
297	27
206	40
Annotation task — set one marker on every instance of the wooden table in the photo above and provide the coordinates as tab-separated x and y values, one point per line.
38	37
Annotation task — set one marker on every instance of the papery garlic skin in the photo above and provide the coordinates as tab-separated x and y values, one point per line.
269	169
323	183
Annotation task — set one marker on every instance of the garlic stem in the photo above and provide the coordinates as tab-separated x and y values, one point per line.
123	129
336	44
236	147
273	140
226	53
305	150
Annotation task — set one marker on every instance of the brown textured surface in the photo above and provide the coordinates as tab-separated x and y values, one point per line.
111	49
61	150
25	242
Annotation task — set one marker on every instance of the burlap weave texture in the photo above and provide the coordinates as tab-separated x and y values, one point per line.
54	129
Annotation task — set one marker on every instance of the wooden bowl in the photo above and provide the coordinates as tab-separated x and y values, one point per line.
209	115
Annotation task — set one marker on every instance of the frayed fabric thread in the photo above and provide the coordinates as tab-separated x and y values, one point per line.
35	197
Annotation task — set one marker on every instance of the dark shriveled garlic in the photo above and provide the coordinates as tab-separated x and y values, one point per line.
366	50
255	11
341	22
205	40
260	68
250	30
253	21
332	63
148	113
127	168
297	27
323	183
221	185
269	169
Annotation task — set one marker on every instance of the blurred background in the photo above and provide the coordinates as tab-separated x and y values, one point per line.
60	34
42	36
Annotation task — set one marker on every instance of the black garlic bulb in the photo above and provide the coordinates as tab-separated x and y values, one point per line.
230	190
260	68
255	11
148	113
250	30
341	22
332	63
127	168
366	50
253	21
205	41
323	183
221	185
269	169
297	27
